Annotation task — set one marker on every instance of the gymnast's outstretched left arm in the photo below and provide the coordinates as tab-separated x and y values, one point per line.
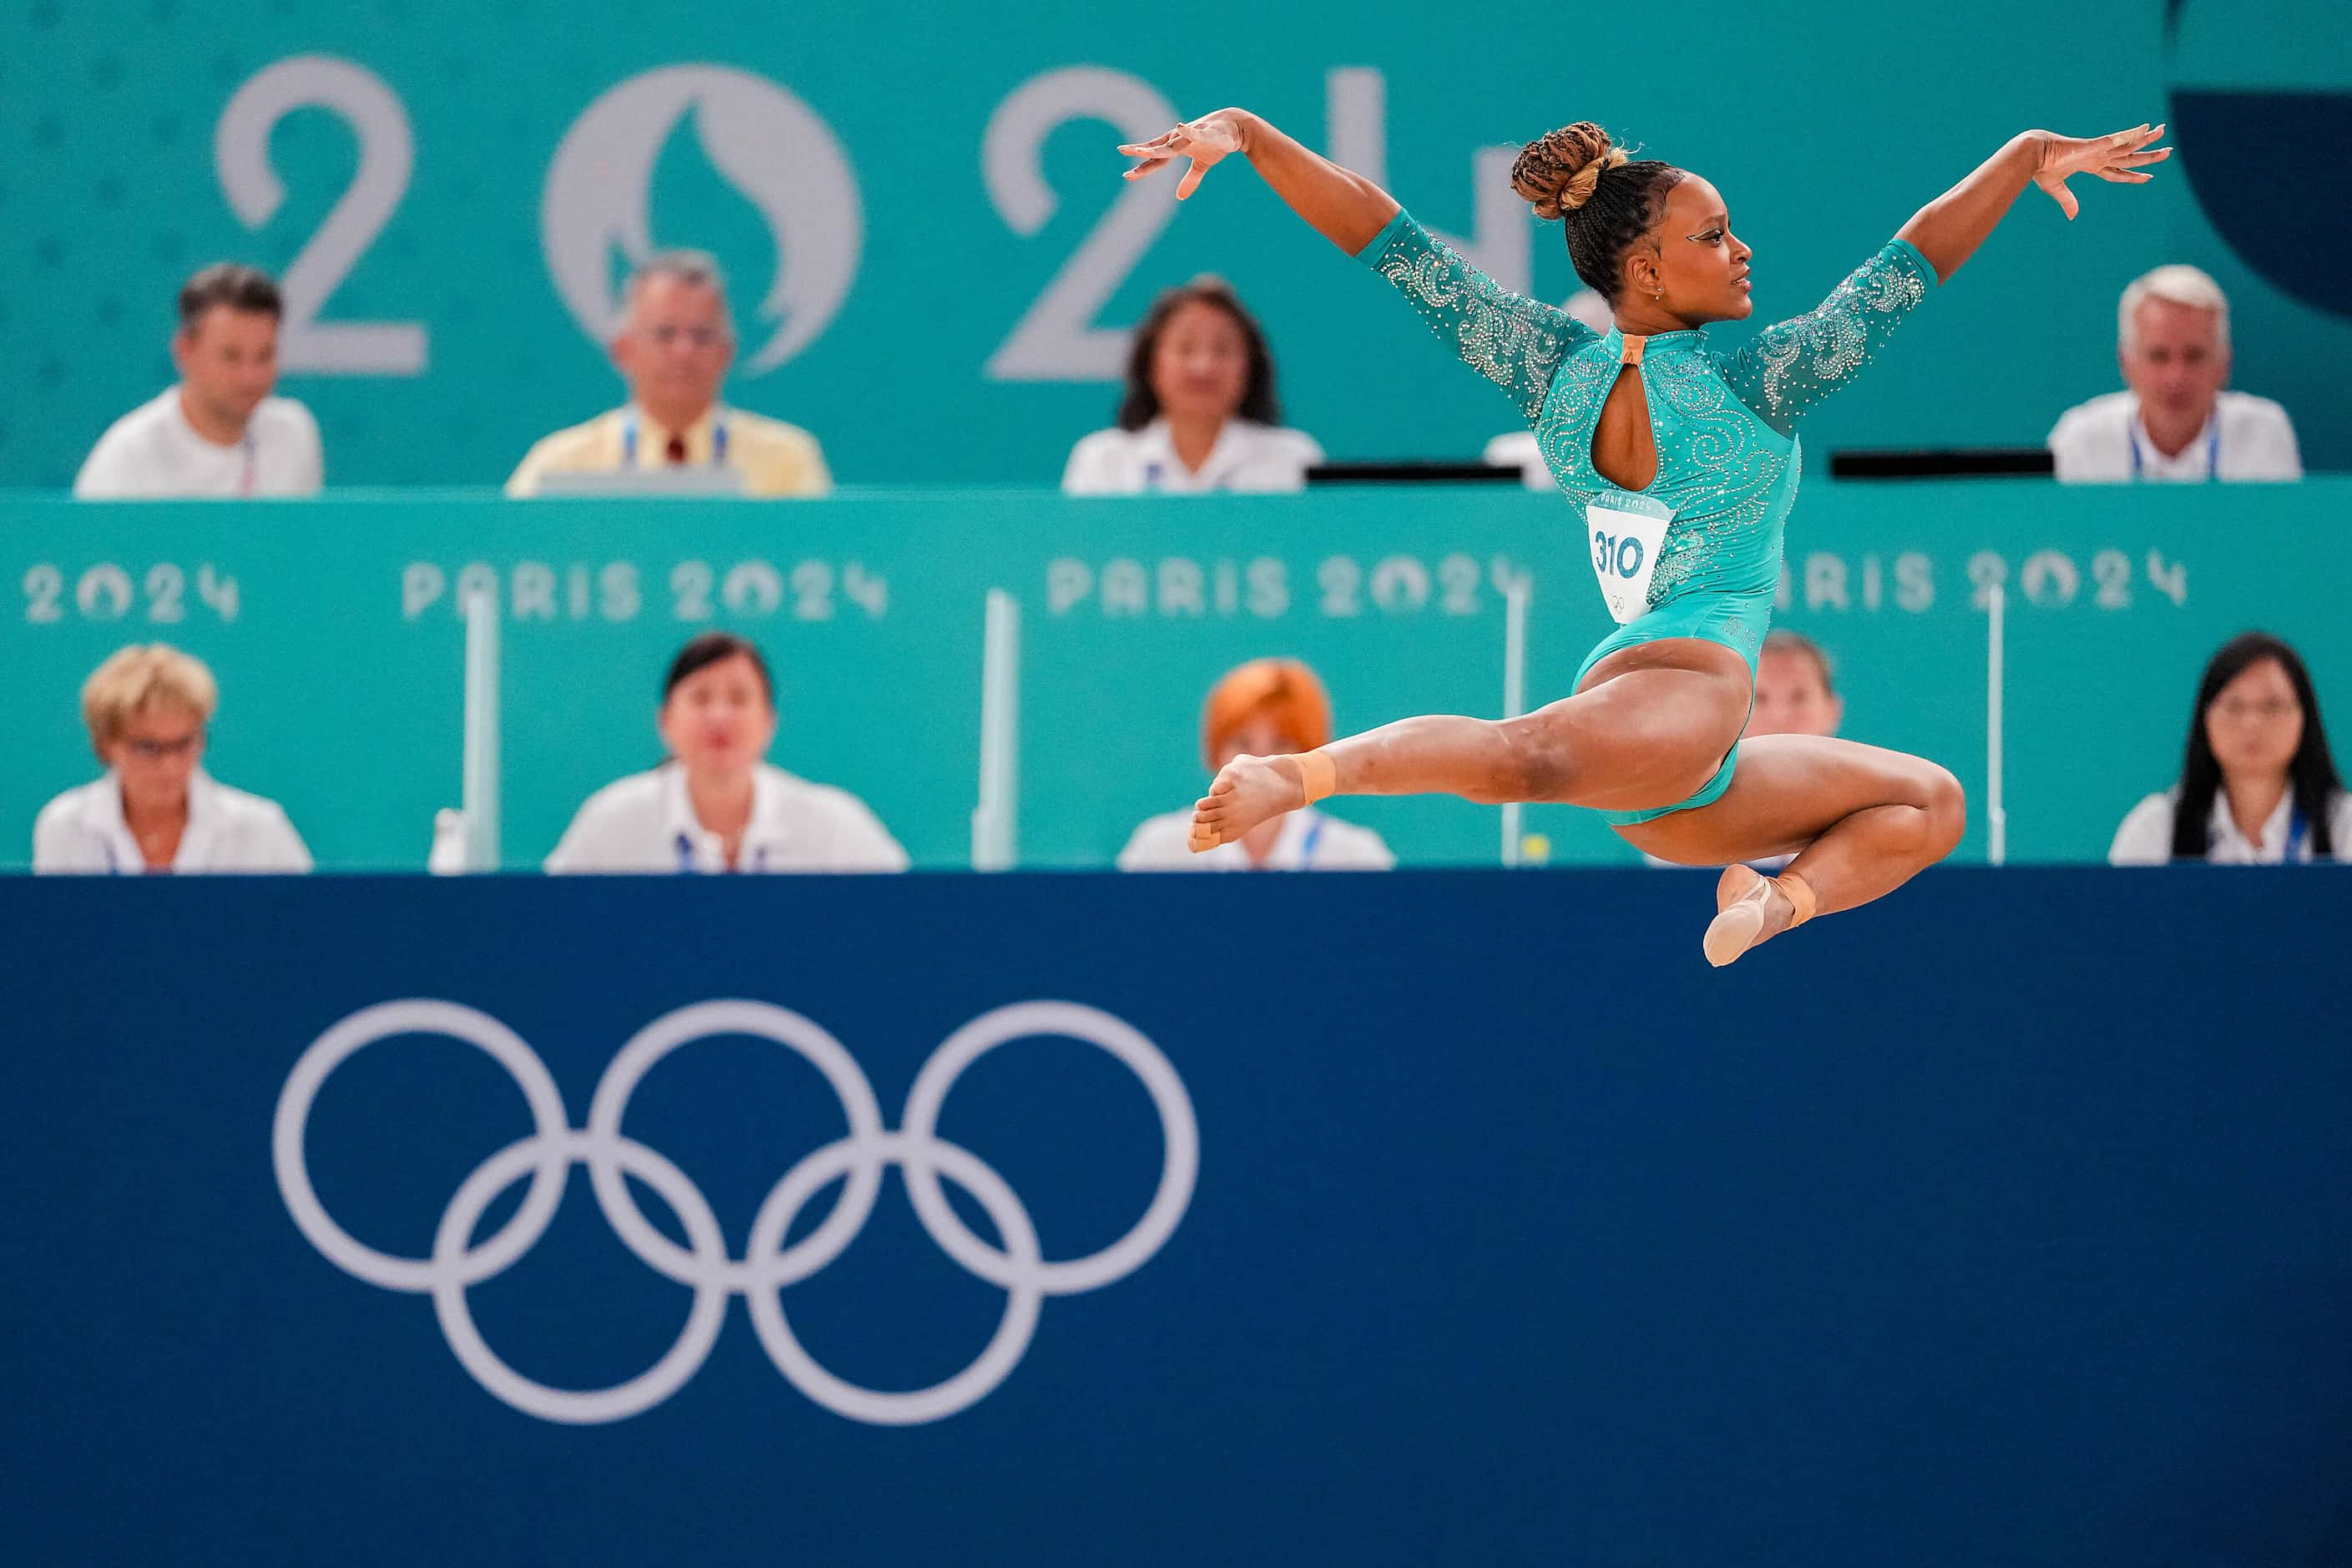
1948	229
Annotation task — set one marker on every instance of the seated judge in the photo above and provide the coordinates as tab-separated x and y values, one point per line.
1199	412
675	342
155	808
2175	420
716	804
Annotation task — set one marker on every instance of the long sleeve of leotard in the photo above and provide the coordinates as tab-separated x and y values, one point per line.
1512	340
1786	371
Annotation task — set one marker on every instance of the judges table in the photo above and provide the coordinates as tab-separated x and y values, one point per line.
1460	1217
336	631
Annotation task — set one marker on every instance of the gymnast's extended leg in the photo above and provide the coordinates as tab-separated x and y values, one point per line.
1649	726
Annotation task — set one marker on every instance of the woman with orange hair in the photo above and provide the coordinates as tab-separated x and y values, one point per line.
1268	705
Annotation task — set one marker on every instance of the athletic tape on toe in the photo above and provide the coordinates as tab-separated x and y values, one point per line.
1320	777
1799	895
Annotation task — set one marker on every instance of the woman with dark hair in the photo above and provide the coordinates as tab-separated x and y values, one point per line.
1682	459
1198	413
2257	784
716	806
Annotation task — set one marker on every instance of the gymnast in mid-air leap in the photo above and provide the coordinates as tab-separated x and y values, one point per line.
1682	458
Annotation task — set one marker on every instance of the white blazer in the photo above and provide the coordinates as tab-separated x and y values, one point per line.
2145	837
1247	457
645	823
228	830
1310	841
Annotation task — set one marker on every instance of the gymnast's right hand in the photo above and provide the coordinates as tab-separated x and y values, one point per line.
1205	140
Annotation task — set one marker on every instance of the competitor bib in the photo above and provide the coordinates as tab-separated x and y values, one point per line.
1626	532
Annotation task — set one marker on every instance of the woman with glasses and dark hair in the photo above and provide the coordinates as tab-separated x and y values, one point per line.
716	804
1200	412
156	809
2257	785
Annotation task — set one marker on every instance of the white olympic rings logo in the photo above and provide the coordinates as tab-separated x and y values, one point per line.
457	1264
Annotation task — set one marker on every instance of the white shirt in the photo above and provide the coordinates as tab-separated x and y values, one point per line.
2094	443
1247	457
152	452
645	823
2145	837
1518	451
1310	841
83	830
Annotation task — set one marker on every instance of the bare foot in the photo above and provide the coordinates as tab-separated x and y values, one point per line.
1247	792
1750	909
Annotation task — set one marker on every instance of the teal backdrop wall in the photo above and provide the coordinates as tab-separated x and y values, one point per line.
934	260
334	629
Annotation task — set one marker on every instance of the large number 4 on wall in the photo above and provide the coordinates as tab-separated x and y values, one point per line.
387	153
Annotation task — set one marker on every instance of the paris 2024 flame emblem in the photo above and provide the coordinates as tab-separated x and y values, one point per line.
767	144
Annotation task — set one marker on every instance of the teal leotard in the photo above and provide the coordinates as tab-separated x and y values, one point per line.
1725	424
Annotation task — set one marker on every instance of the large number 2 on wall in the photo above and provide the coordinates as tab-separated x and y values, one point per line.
1056	339
241	149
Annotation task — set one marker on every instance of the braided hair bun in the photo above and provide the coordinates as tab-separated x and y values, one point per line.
1558	171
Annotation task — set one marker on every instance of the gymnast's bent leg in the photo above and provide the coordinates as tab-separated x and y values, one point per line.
1861	820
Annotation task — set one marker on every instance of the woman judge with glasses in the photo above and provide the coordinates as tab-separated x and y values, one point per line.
2257	784
156	809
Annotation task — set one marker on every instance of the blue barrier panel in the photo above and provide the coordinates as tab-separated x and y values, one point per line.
2005	1223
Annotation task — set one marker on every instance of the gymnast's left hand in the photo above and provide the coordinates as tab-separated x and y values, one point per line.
1205	140
2116	158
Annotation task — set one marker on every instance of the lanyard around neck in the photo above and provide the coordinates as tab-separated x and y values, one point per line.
2212	447
758	857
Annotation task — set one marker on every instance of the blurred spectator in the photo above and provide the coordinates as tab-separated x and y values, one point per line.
674	348
1517	448
1795	691
219	432
2175	422
715	805
156	809
1264	708
1200	412
2257	784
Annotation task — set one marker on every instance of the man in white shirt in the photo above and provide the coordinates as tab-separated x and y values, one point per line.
219	433
715	805
2175	422
674	349
644	823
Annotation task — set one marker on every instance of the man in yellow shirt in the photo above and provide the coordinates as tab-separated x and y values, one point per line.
673	348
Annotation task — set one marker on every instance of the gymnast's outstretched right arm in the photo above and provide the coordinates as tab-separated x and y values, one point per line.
1344	207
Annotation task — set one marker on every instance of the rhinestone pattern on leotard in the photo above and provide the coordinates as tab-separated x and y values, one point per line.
1725	424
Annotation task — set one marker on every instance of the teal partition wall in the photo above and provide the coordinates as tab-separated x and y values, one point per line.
335	632
935	261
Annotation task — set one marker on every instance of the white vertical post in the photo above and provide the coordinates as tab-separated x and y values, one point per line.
1515	690
993	842
1996	815
481	748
